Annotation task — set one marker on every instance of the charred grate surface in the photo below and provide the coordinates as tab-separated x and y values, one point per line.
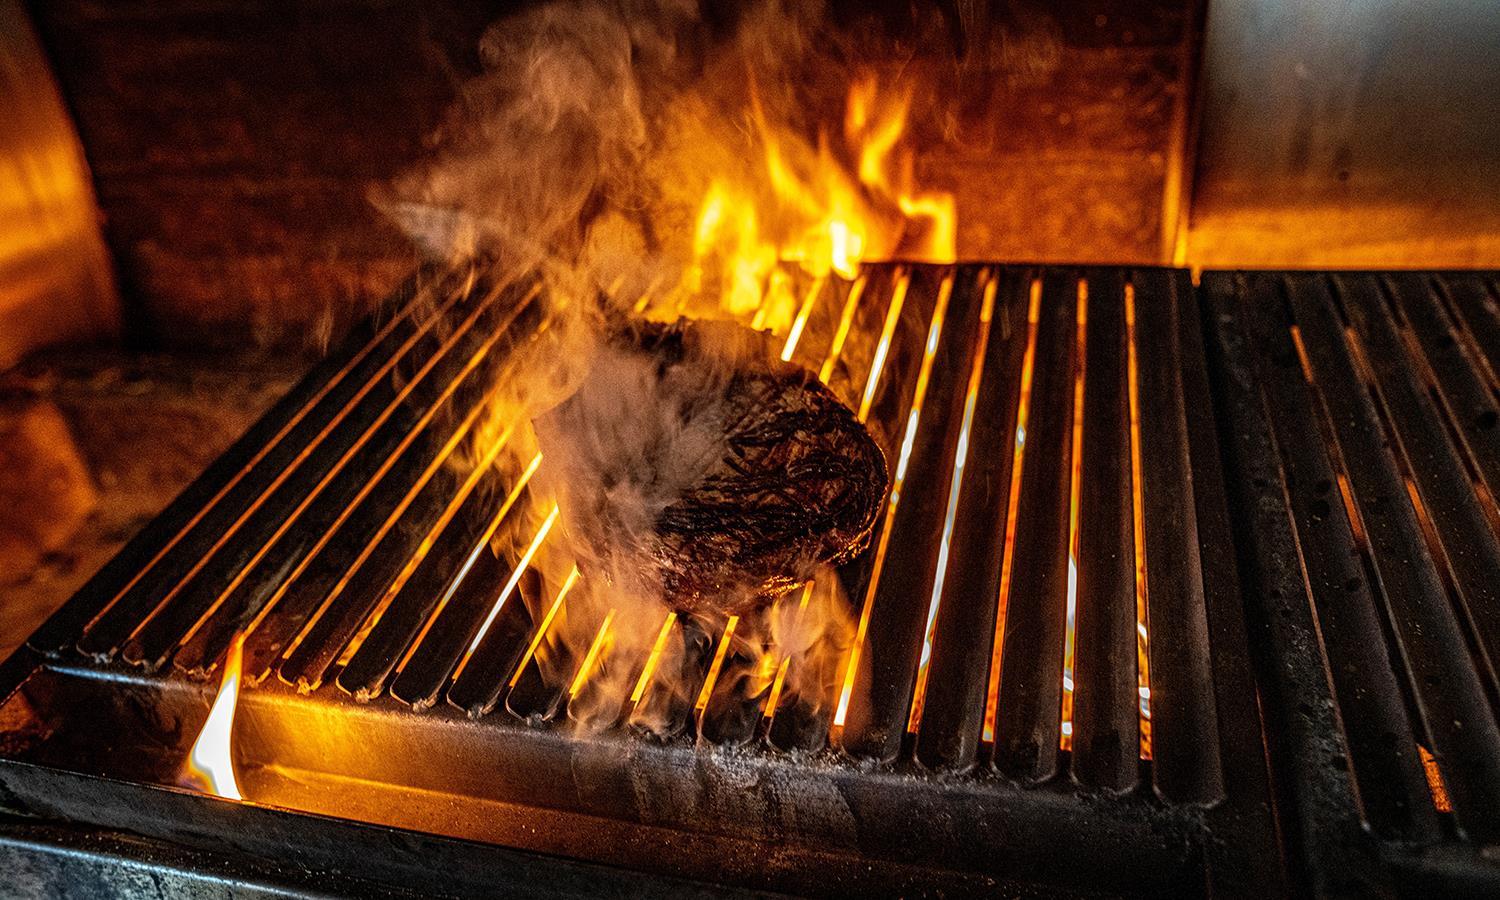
1359	414
1050	657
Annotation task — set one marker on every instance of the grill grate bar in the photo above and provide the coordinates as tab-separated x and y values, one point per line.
199	561
1106	735
1028	708
1184	731
1391	784
1430	642
890	387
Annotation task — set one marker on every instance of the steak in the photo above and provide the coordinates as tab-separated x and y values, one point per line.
694	463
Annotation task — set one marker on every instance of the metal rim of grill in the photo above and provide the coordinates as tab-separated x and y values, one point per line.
1239	445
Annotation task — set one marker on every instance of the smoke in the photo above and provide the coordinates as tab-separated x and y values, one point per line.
582	155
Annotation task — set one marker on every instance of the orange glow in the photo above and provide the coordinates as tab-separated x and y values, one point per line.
846	319
591	658
801	322
510	587
210	766
654	659
887	332
976	373
1138	527
1023	412
774	698
451	510
718	663
1435	785
1307	372
1356	522
934	334
1080	365
541	631
468	563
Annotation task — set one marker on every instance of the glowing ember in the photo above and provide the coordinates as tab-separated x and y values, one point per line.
1138	522
210	768
1075	480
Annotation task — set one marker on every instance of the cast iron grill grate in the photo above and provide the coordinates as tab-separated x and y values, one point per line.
1360	411
352	505
1051	681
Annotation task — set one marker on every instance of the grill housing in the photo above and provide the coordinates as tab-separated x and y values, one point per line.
797	803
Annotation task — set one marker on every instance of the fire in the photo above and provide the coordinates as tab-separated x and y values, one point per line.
709	193
817	211
210	767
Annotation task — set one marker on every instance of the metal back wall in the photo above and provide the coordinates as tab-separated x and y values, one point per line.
1360	417
1050	656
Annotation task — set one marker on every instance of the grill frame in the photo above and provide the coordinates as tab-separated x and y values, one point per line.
1199	818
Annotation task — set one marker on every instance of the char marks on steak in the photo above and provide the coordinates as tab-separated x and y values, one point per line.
733	473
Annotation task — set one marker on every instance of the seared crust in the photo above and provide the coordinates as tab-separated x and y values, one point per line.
799	486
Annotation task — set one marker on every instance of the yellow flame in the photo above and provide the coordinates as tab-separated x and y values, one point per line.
718	663
812	210
210	767
541	630
654	659
596	649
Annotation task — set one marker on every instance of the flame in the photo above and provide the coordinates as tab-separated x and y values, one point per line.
814	210
210	767
766	222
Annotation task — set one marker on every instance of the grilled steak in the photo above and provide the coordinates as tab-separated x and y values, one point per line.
690	451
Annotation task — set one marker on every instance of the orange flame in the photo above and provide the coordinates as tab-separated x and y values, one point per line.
818	212
210	767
